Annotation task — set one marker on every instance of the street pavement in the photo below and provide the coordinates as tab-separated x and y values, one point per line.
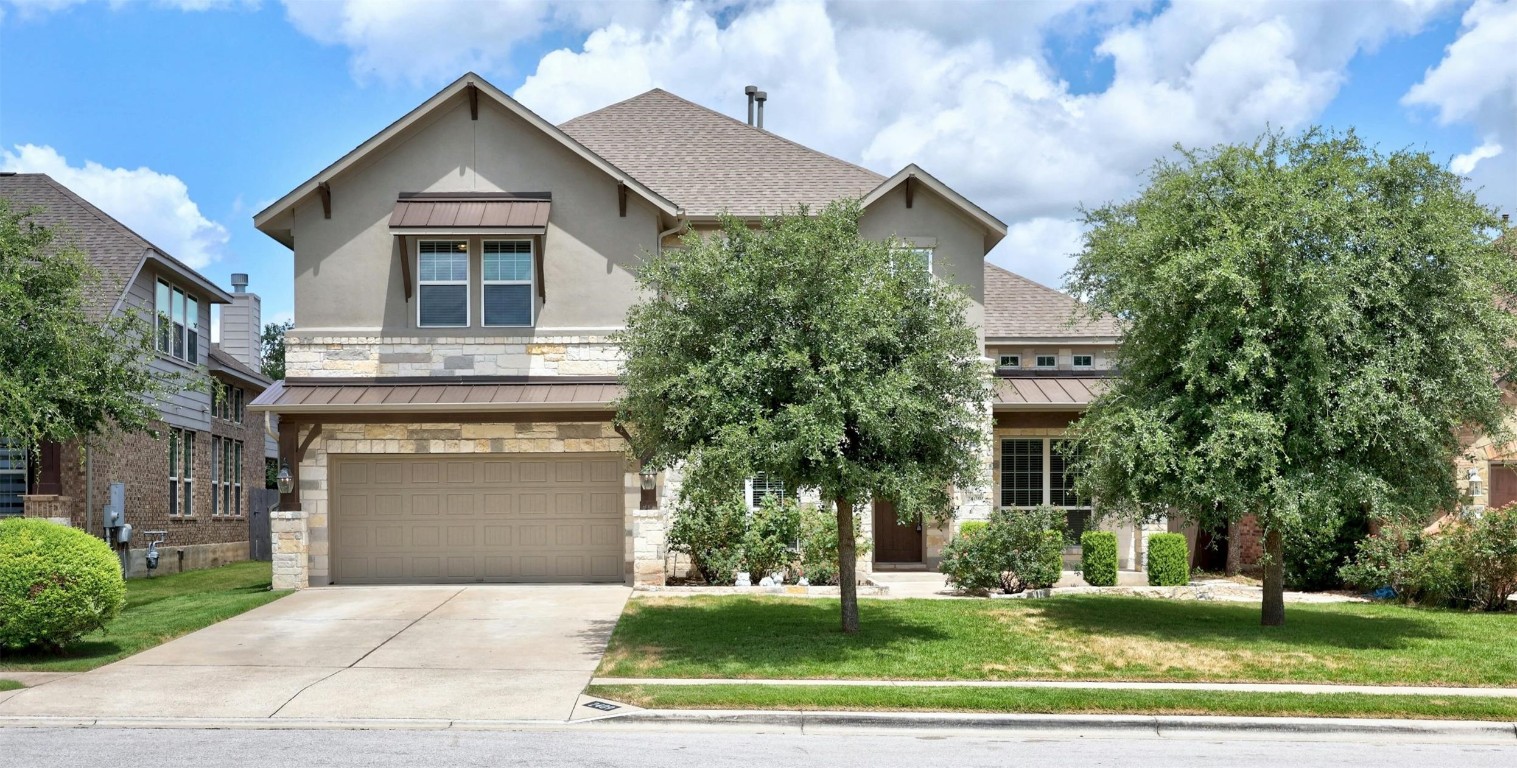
579	746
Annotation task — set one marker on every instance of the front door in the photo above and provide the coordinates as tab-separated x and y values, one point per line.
894	542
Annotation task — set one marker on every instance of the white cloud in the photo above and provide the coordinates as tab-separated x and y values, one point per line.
1465	163
155	205
1042	249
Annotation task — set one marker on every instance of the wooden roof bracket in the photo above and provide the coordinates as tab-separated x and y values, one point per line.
473	101
537	255
621	197
405	266
911	189
324	191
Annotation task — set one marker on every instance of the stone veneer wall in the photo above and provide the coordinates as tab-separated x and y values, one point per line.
302	554
373	356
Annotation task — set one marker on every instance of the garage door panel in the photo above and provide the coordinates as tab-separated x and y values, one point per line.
478	518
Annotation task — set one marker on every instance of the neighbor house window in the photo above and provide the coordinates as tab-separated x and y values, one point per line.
1047	361
217	508
507	289
1083	361
12	477
443	284
1010	361
237	477
226	475
181	472
237	405
177	317
760	487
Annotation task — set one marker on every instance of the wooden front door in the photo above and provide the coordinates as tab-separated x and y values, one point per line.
1503	485
894	542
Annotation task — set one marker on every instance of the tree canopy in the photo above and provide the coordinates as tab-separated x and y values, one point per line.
64	374
804	351
271	349
1308	323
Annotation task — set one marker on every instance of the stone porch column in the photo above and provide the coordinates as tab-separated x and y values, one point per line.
292	548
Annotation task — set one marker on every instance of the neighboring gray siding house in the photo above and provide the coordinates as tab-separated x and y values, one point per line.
447	408
168	476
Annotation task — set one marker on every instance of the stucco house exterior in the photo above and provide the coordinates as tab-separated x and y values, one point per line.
193	479
446	414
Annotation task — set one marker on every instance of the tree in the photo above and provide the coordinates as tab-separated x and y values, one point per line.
64	375
804	351
1308	324
272	348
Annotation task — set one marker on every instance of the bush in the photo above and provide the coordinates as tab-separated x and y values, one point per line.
1098	558
1490	546
1470	563
711	532
1015	550
819	544
1316	550
1168	560
56	584
970	527
771	533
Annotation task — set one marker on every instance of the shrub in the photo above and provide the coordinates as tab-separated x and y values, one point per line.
1388	559
771	533
1168	560
1098	558
1431	570
56	584
1490	546
971	527
711	532
1015	550
1317	549
819	544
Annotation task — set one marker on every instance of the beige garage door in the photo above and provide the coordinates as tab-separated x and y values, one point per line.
512	517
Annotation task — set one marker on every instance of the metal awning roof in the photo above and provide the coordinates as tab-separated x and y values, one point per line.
457	396
469	212
1040	392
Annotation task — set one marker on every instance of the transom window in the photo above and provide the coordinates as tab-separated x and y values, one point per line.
442	284
177	317
1010	361
1083	361
1047	361
507	291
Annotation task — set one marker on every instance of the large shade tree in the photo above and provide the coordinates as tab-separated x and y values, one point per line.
63	373
1309	324
804	351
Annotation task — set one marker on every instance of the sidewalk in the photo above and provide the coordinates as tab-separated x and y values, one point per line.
1404	690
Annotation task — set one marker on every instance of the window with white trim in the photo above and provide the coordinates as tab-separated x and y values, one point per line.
177	317
1047	361
1040	470
760	487
442	291
1083	361
217	508
181	472
1009	361
237	478
12	477
506	293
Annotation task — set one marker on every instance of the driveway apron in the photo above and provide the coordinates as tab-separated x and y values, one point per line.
476	652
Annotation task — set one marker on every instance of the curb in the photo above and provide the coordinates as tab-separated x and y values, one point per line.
1085	725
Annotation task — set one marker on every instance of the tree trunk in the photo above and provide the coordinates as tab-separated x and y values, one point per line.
1234	548
1273	613
848	590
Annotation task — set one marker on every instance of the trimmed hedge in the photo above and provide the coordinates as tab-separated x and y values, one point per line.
56	584
1168	560
1098	558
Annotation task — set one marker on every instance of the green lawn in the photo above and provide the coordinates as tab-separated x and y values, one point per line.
1064	638
10	685
158	610
1058	701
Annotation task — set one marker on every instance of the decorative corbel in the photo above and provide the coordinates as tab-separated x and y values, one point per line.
324	191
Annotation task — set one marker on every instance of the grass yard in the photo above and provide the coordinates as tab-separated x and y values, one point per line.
1064	638
158	610
1059	701
10	685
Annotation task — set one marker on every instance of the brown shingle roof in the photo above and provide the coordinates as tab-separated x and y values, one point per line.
708	162
221	360
1016	307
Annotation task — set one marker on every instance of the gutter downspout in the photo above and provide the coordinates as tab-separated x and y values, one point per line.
680	225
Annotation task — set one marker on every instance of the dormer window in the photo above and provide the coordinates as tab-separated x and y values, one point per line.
507	291
1009	361
1047	361
442	284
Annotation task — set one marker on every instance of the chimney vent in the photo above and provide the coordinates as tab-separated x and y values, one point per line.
242	324
239	282
1505	217
761	97
749	91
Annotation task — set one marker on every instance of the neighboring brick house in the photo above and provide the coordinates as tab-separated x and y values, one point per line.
169	477
447	410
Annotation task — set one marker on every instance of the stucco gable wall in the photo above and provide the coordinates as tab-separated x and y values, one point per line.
958	243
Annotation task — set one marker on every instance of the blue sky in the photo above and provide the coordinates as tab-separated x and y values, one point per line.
184	123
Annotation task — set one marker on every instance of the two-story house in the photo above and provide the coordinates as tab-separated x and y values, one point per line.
191	477
447	408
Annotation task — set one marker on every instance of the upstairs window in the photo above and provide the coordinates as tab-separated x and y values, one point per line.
1047	361
507	291
443	284
1009	361
177	317
1083	361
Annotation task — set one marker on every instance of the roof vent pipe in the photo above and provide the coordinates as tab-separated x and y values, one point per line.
761	97
750	90
239	282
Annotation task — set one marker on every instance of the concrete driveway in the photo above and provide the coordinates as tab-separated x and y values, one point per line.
492	652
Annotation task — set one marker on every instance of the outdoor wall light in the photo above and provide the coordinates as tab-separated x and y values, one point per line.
285	482
647	476
1473	479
